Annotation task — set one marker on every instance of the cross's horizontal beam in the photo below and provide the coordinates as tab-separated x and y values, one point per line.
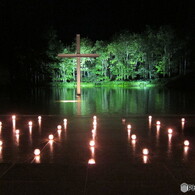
78	55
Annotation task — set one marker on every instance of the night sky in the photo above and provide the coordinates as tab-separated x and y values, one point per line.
97	20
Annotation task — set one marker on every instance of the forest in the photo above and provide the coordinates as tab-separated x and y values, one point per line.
153	54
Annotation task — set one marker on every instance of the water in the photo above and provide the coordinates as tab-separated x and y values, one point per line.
115	163
100	101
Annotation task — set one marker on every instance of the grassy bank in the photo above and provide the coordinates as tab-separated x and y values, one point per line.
125	84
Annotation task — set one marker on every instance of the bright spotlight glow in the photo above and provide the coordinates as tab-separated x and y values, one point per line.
94	117
0	123
133	137
65	120
17	131
150	117
91	161
158	122
13	117
186	143
30	123
129	126
59	127
1	143
37	152
170	131
145	151
92	143
51	137
39	118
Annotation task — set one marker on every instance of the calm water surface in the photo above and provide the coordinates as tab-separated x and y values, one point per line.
115	109
101	101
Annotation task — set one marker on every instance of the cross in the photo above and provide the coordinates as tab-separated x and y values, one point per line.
78	55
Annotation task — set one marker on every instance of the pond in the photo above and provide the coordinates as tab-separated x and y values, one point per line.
91	140
99	101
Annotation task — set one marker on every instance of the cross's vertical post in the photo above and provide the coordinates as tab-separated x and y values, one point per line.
78	65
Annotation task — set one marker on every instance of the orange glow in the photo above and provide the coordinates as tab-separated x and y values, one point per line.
133	137
51	137
183	120
158	127
17	131
186	143
37	152
59	127
92	143
158	122
129	133
30	123
170	131
145	151
92	151
37	159
13	117
91	161
145	159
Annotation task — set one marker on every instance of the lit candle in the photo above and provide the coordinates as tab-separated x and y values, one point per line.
158	122
186	143
17	131
51	137
170	131
37	152
133	137
92	143
145	151
91	161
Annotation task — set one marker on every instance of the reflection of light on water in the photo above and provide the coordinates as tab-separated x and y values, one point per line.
157	133
14	122
17	139
150	121
30	130
182	125
92	151
129	134
51	145
1	152
0	127
145	159
69	101
39	122
65	123
133	142
37	159
185	151
93	133
91	161
59	133
169	143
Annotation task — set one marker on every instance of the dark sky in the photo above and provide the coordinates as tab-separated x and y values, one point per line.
93	19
